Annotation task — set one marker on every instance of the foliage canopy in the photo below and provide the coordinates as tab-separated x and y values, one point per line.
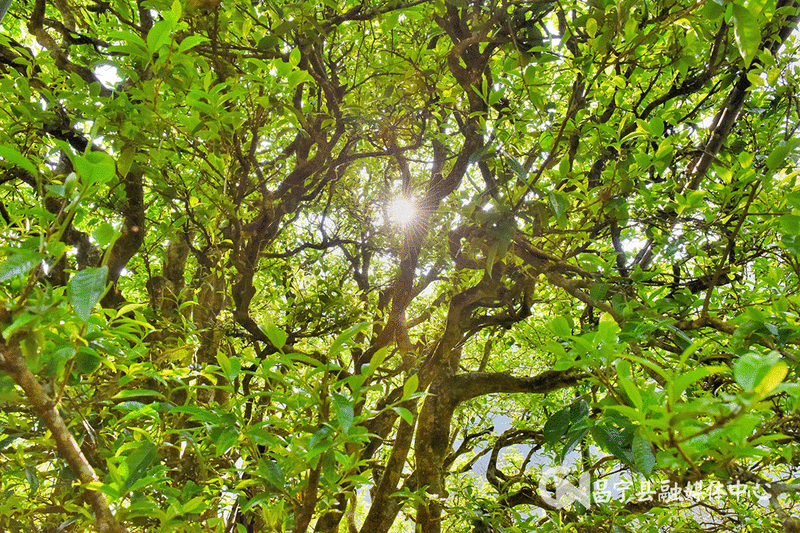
216	315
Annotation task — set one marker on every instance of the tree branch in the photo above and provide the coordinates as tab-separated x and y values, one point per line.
473	384
13	363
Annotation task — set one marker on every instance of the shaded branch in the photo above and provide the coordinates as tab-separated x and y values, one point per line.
131	238
35	26
473	384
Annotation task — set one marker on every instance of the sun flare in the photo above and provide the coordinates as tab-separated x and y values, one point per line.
403	211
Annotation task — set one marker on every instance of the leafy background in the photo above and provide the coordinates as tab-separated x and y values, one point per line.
213	320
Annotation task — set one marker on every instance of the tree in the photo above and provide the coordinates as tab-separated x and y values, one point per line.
293	266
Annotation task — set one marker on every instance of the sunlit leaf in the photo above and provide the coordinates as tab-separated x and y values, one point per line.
747	31
160	34
410	386
772	379
13	156
276	336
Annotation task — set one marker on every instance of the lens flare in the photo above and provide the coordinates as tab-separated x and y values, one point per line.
403	211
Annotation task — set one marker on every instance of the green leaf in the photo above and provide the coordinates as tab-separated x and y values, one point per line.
574	437
86	361
643	457
410	386
294	56
137	393
125	160
760	373
19	264
628	412
4	5
681	339
376	361
790	224
649	364
656	126
682	382
793	199
192	41
490	256
752	368
261	498
405	414
747	31
320	441
598	291
591	27
344	411
8	439
195	504
226	439
272	473
556	426
32	478
772	379
138	463
612	441
561	327
129	38
518	169
478	154
86	288
224	363
12	156
779	154
19	322
631	390
104	234
560	202
95	167
197	413
276	336
161	33
578	411
345	336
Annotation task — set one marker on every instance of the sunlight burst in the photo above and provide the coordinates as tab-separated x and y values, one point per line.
403	211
